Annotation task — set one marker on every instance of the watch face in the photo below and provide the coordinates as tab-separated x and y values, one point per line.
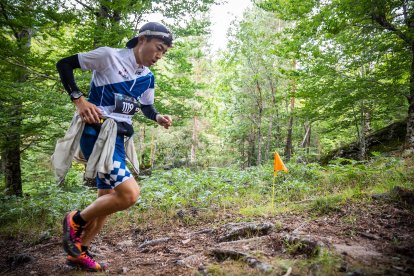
76	95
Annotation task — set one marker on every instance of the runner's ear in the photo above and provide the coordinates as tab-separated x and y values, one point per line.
142	39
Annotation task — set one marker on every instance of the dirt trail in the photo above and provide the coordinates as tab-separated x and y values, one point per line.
373	239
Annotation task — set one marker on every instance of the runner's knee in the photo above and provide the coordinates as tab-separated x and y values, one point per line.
132	197
129	196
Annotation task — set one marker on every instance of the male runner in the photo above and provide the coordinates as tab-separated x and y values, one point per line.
121	83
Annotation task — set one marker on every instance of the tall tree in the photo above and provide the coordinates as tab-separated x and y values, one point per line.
256	85
338	37
35	34
24	66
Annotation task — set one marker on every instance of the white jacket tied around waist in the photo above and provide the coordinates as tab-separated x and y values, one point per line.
68	148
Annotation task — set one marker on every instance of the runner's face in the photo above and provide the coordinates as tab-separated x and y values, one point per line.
150	51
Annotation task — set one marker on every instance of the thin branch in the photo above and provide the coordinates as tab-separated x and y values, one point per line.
85	6
405	13
409	19
365	26
30	69
27	146
137	20
272	88
387	25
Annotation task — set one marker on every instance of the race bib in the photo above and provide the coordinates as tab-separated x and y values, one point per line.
125	104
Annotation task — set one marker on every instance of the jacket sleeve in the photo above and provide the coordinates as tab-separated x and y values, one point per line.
65	67
149	111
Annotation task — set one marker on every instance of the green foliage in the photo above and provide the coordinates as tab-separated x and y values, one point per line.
326	205
27	63
253	88
288	10
348	53
43	202
296	247
326	189
180	188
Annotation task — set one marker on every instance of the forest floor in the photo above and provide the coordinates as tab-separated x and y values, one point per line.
363	237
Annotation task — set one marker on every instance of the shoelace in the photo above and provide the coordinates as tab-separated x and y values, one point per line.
89	258
77	239
78	230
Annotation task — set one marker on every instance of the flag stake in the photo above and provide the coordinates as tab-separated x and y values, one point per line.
278	165
273	191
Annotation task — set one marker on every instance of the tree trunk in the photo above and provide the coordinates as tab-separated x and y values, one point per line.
269	138
358	132
278	131
388	139
106	20
2	163
12	170
243	154
288	146
259	124
194	141
251	148
409	139
306	138
308	142
362	141
367	120
259	142
406	36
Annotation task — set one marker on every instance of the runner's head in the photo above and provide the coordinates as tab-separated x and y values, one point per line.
152	30
151	43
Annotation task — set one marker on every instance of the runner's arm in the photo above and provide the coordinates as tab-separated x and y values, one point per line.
65	67
87	111
149	111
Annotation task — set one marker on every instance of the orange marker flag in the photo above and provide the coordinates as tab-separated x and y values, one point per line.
278	165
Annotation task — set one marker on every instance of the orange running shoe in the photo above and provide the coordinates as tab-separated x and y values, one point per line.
86	262
71	235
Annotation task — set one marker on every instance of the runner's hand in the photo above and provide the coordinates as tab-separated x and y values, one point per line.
88	112
164	120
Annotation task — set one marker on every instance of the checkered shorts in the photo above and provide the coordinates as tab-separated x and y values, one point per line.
120	173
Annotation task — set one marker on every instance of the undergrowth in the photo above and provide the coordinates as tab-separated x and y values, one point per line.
246	191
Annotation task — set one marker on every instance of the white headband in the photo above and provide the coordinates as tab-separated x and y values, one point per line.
154	33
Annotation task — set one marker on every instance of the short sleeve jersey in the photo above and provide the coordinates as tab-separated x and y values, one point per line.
117	74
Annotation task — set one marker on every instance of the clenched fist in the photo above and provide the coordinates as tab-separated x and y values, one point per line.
164	120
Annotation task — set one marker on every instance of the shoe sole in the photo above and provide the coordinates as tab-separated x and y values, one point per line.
67	243
80	267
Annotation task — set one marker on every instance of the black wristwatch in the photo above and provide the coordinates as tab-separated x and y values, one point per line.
75	95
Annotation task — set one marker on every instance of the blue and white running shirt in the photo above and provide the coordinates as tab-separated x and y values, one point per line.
116	73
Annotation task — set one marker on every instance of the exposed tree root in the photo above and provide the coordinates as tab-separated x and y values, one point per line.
237	231
223	254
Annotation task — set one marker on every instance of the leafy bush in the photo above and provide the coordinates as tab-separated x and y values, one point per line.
232	187
185	188
44	203
180	188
